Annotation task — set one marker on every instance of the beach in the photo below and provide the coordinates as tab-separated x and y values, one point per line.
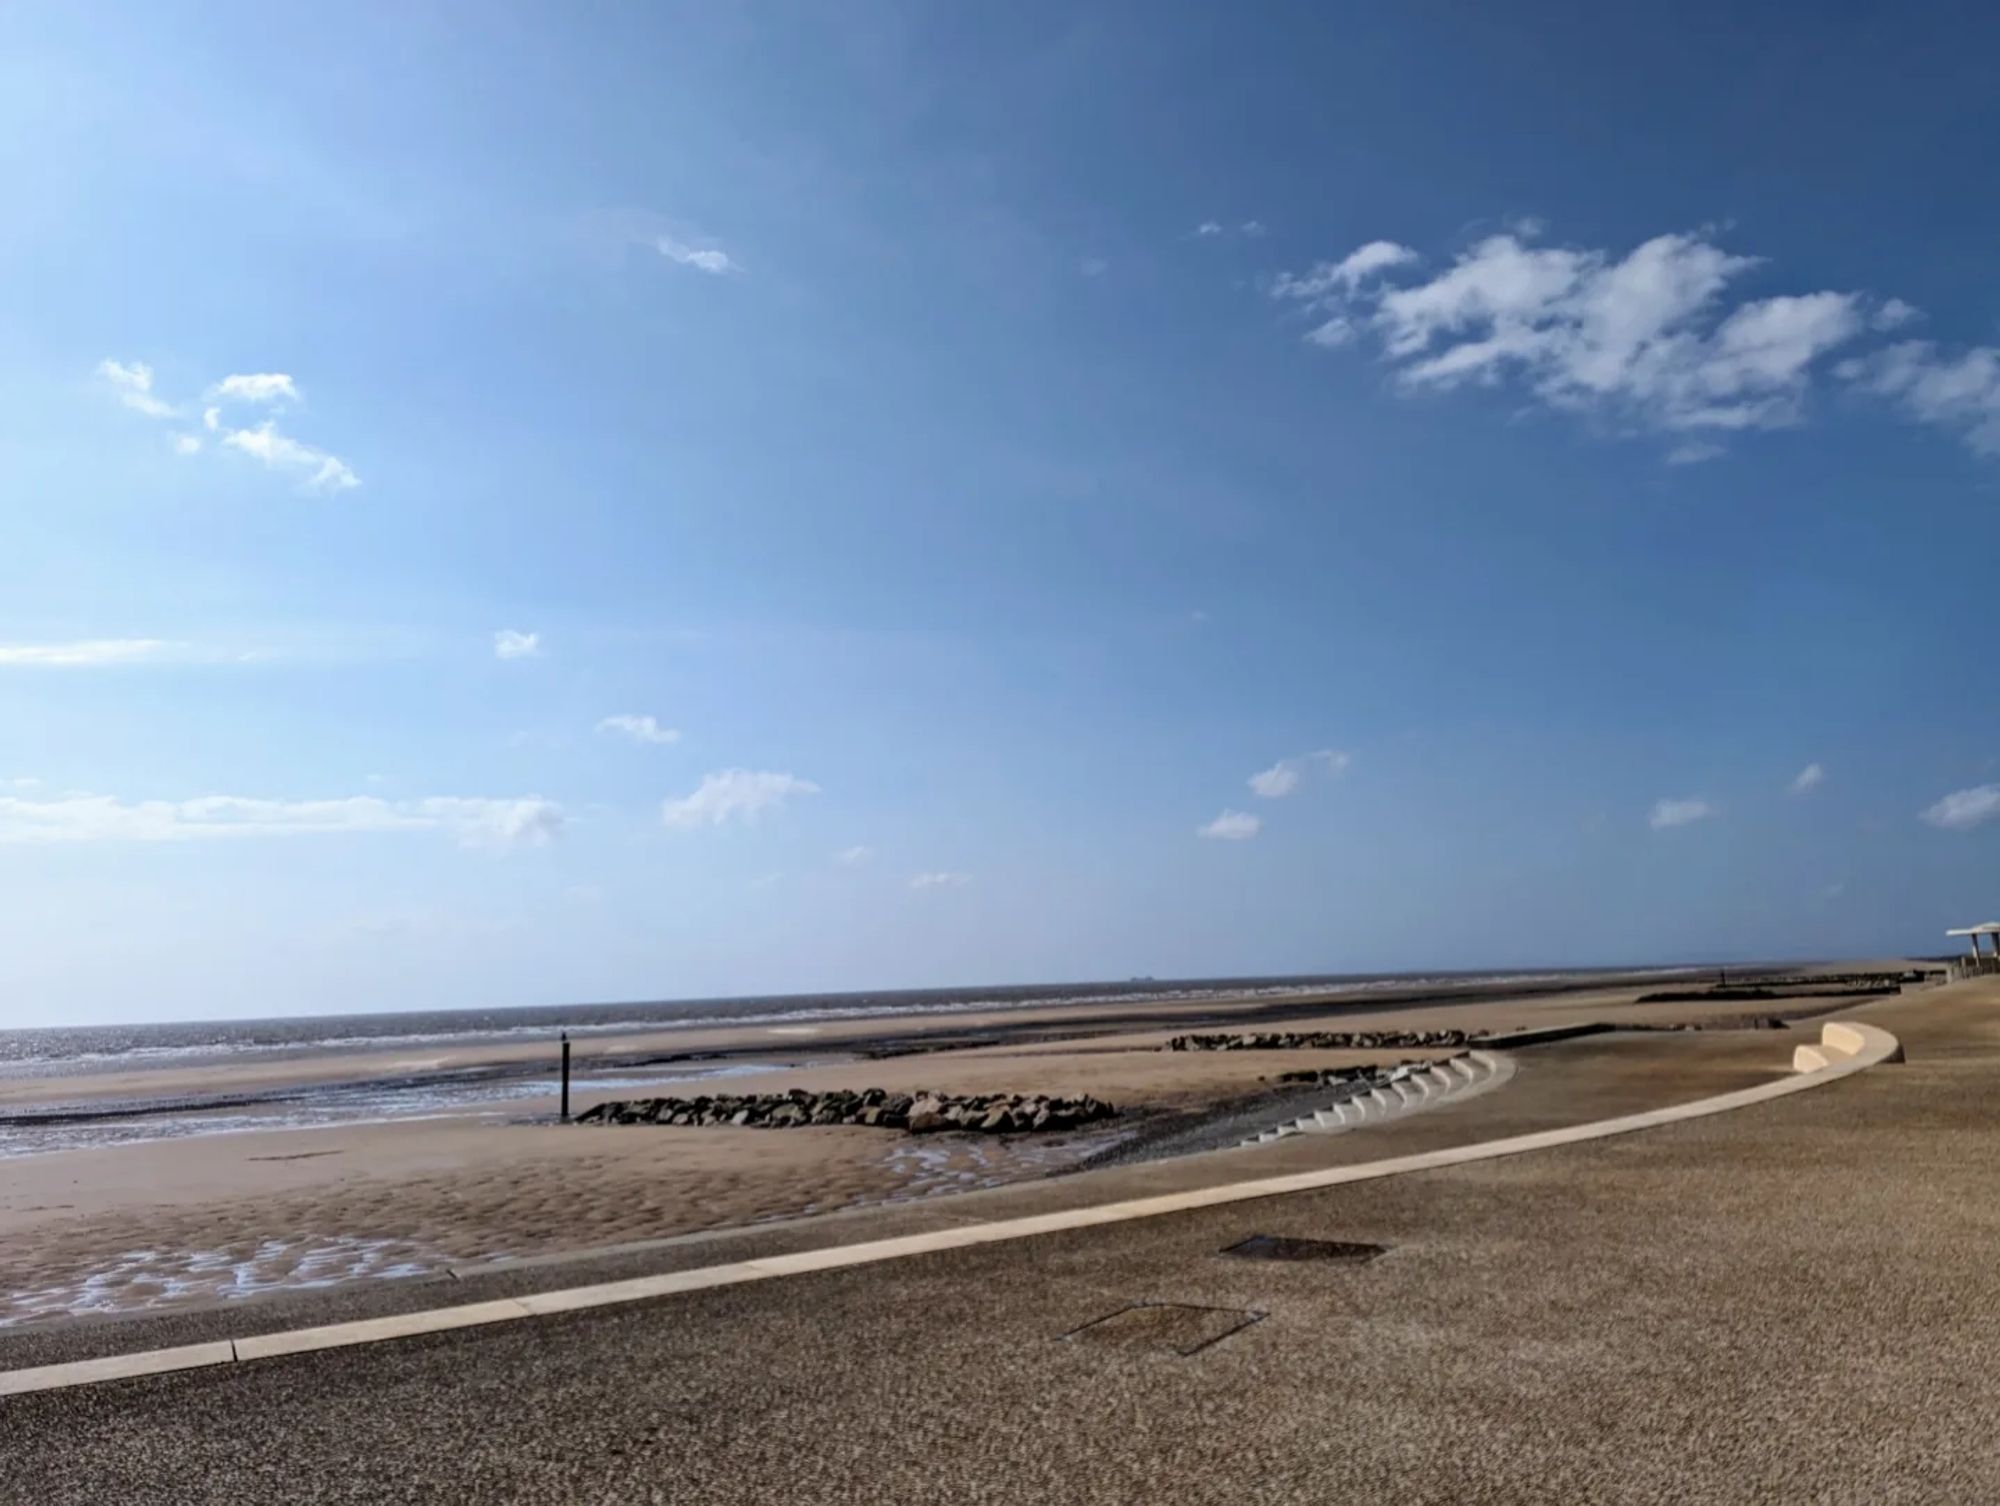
357	1164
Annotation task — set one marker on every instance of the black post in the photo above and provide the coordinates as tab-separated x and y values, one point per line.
565	1090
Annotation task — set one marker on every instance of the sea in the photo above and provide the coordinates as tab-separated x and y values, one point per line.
54	1123
64	1050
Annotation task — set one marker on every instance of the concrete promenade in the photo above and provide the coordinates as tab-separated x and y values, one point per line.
1793	1301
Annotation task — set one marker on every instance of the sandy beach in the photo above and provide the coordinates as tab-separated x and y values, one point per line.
270	1205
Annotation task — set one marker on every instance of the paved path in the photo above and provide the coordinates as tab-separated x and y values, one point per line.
1795	1301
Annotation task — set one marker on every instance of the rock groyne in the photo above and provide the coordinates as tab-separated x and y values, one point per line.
871	1108
1327	1040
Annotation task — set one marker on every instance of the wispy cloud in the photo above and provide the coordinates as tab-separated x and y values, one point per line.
855	856
1340	279
256	387
1957	392
133	382
1695	452
641	729
315	468
88	653
1249	230
1962	810
495	824
1667	814
1808	778
735	794
511	643
710	259
1232	826
940	880
1283	776
1649	339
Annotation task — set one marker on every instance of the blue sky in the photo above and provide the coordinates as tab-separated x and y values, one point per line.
517	504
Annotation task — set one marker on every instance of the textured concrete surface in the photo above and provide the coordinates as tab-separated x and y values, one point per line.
1792	1302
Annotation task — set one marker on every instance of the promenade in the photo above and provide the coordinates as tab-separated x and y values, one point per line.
1791	1301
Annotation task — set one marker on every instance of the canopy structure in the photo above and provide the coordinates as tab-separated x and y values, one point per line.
1981	961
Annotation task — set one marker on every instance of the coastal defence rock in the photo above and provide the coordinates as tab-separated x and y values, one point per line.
872	1108
1328	1040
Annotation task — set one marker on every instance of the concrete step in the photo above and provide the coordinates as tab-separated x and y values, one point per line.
1405	1090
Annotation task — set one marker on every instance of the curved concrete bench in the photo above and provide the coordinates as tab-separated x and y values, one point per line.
1842	1041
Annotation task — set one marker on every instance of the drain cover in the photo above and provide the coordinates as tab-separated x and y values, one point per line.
1163	1327
1283	1247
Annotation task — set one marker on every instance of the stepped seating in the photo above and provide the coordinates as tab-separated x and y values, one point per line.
1406	1090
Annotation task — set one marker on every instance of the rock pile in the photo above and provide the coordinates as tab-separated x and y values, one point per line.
919	1113
1325	1040
1327	1077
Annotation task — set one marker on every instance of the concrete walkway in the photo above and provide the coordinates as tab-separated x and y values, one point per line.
1787	1302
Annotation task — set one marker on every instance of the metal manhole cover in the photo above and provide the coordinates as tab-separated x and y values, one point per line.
1163	1327
1284	1247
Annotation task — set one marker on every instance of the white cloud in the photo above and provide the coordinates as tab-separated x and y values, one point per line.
133	382
855	856
940	880
1330	279
1646	339
1283	776
1694	452
1335	331
1671	813
317	469
1093	266
641	729
498	824
1232	826
256	387
1208	228
1960	392
1252	228
710	259
747	793
509	643
1808	778
1894	314
1962	810
87	653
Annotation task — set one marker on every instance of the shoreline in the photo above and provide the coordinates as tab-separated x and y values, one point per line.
268	1079
812	1013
